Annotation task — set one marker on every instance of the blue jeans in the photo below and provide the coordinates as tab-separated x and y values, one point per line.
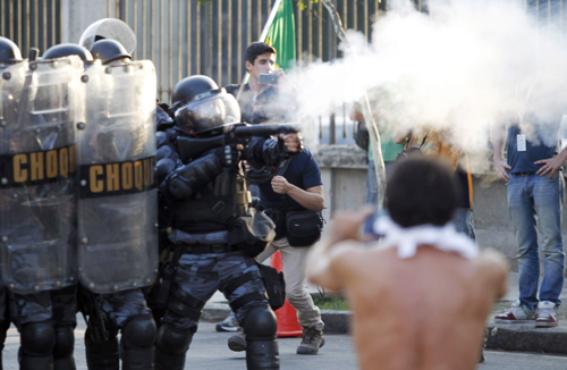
528	197
464	222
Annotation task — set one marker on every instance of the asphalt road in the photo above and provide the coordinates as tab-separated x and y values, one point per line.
209	352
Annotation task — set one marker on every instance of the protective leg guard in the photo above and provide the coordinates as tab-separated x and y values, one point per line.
262	355
102	355
37	341
171	346
63	351
261	350
138	337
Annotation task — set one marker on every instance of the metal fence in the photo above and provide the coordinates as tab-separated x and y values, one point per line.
31	23
210	37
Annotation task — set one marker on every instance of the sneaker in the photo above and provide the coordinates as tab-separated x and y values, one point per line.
546	315
517	314
230	324
312	340
237	343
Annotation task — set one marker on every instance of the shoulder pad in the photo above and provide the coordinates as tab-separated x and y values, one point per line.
162	138
163	118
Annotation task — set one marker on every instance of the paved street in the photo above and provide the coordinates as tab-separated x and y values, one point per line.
209	352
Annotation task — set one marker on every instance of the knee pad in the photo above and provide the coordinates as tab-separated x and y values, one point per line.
38	338
259	323
64	341
173	341
139	332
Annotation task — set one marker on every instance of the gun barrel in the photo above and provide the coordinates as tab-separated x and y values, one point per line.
264	130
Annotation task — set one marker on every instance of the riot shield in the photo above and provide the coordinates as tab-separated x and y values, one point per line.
117	212
37	205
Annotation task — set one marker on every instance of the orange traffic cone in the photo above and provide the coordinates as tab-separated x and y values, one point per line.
288	326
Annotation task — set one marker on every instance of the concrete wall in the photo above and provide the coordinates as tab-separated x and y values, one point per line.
344	169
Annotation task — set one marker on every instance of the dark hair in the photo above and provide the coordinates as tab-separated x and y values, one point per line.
257	48
421	190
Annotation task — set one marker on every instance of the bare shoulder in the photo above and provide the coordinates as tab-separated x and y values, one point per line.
493	270
346	256
492	260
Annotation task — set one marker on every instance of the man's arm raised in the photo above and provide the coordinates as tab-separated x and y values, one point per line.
340	238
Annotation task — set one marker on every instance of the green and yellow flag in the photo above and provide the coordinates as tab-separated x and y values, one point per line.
280	33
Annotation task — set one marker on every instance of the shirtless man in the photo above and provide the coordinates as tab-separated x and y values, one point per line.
420	296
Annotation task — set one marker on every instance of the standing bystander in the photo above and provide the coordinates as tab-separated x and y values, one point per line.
532	173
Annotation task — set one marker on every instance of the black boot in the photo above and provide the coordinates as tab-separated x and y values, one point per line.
64	346
64	363
4	325
262	355
169	361
138	359
36	363
171	346
102	355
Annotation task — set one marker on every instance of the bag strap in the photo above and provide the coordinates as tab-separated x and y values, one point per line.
282	167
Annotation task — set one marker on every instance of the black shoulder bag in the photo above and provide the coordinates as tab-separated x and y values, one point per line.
303	227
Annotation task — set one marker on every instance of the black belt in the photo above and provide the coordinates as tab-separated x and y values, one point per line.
210	248
523	174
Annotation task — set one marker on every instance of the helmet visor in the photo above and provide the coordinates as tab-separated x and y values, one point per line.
207	114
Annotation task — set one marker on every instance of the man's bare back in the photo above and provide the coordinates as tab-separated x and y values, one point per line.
421	295
426	312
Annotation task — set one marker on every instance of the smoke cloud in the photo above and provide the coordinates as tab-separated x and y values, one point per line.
465	69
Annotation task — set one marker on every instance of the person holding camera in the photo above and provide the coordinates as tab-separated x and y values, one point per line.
291	194
255	96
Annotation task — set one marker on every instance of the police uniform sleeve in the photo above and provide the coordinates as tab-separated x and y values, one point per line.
187	179
166	157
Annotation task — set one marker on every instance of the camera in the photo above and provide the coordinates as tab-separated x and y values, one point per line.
268	78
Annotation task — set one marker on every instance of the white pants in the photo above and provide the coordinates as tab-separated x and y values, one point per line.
293	260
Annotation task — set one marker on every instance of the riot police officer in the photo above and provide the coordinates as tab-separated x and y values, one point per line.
208	204
117	251
37	246
10	56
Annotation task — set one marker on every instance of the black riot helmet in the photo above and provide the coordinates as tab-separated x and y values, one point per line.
202	108
9	51
65	50
108	51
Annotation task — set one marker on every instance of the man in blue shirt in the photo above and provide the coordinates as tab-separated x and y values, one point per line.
299	187
294	186
532	172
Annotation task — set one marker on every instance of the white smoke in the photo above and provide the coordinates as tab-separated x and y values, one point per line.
464	68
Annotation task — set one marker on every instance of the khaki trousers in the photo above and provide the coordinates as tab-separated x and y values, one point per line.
293	260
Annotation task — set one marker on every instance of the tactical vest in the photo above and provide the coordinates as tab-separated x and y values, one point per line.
216	207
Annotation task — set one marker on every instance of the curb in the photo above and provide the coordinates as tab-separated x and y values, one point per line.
505	338
527	339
